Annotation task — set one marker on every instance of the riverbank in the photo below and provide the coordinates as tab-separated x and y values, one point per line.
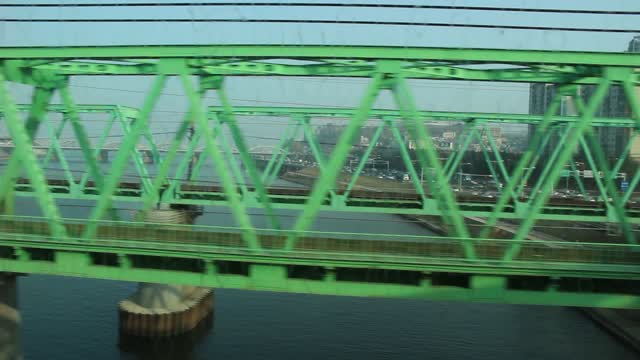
624	325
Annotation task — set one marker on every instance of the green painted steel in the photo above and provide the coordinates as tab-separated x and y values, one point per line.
402	266
568	213
488	264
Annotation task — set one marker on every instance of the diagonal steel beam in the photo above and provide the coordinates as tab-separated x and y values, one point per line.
233	198
122	156
429	158
22	137
277	151
55	149
81	137
56	134
328	178
406	159
566	153
99	145
243	149
363	160
135	154
283	156
518	172
37	111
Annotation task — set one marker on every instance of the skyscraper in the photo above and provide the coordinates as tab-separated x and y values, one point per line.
634	44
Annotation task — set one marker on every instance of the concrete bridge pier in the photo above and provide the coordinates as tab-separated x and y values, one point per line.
103	155
160	310
9	318
147	156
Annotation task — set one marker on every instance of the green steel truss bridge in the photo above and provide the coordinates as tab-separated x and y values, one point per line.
465	263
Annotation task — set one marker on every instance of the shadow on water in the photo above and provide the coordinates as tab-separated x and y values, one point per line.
167	348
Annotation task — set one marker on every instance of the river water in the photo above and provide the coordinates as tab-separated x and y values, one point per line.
74	318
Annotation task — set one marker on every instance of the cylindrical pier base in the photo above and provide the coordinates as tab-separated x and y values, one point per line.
182	313
159	310
9	318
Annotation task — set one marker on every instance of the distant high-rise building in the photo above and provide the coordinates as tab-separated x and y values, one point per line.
634	44
613	140
540	98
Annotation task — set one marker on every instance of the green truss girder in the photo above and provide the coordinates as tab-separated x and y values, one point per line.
487	280
339	202
576	67
388	68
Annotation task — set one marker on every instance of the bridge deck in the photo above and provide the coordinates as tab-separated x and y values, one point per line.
538	256
545	273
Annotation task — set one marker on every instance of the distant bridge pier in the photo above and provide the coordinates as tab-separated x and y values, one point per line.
160	310
147	156
9	318
194	159
5	152
103	156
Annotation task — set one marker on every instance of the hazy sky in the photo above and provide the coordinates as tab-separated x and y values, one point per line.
430	95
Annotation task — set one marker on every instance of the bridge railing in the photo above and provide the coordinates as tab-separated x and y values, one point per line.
404	249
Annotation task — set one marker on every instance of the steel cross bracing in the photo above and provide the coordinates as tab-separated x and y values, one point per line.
295	259
398	199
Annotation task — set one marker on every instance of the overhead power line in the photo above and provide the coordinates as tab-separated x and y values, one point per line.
331	4
326	22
